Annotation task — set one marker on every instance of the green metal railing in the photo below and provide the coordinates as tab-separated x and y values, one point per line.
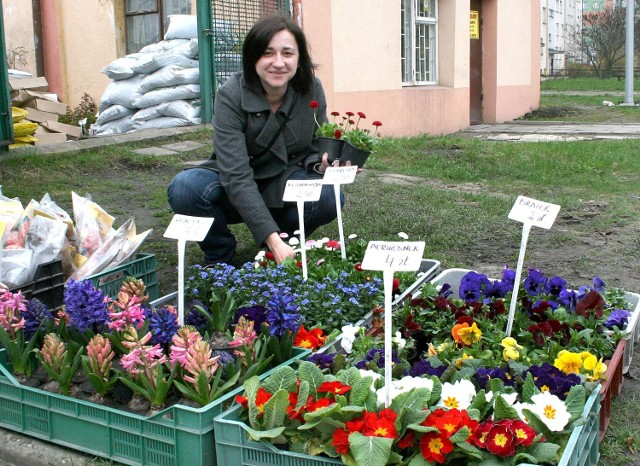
222	26
6	120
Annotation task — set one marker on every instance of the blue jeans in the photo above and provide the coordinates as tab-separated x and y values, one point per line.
197	192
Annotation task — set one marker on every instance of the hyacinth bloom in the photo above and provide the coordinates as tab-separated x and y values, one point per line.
126	311
551	410
457	395
133	287
12	305
185	338
282	313
53	352
200	363
100	356
243	334
310	339
85	306
142	359
35	314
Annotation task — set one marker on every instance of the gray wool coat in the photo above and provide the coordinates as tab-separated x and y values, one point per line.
243	127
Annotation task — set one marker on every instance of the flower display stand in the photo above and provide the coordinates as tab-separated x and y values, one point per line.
612	385
233	446
177	435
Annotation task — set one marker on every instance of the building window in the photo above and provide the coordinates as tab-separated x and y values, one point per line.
419	41
147	20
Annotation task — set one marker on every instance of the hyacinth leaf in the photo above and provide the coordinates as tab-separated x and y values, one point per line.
257	368
19	353
360	390
529	389
134	386
216	392
257	435
284	378
312	374
275	410
503	410
370	451
303	394
575	402
544	452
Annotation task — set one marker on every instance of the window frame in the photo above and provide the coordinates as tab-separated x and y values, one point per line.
158	10
410	29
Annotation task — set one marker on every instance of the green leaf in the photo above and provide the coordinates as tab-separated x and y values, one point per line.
529	389
312	374
360	391
575	402
545	452
282	377
322	412
251	389
470	451
303	394
413	399
370	451
461	436
418	460
349	377
504	410
275	409
536	423
257	435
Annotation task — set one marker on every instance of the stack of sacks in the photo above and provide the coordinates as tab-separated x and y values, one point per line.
23	130
157	87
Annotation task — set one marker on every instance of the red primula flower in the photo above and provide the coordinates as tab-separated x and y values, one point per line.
362	115
313	104
380	425
435	447
341	441
523	433
261	398
310	339
479	434
336	388
448	422
291	409
242	400
316	405
269	256
407	440
499	441
299	264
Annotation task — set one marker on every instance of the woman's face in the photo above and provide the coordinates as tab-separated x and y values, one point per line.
279	63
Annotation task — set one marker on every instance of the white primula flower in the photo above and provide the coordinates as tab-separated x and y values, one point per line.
369	373
510	398
519	407
349	333
403	235
260	256
457	395
293	241
398	340
551	410
352	236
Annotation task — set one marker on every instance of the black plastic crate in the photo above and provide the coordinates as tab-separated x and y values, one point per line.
47	285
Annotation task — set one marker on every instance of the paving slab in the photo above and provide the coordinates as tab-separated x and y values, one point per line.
155	151
183	146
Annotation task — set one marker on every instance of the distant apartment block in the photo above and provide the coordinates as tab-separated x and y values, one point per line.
560	23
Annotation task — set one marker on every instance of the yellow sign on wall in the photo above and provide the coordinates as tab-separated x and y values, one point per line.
474	24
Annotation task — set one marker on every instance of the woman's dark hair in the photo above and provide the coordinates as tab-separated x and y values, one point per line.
257	41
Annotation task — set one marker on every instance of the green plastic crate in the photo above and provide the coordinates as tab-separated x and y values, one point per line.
176	436
233	446
144	267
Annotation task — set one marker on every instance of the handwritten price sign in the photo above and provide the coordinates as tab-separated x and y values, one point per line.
184	227
393	255
537	213
302	191
340	175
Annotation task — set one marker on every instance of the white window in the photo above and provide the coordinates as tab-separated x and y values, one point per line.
147	20
419	41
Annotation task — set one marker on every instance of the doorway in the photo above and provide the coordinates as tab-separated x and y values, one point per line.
475	62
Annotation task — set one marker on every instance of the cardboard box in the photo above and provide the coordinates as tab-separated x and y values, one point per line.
74	131
39	116
48	106
22	97
50	138
36	84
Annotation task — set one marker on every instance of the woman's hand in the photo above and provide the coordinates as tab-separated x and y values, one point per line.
279	248
322	166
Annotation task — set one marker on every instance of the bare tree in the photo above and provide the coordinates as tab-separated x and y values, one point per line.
603	38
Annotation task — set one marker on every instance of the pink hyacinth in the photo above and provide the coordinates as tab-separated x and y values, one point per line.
182	341
100	356
12	305
127	310
199	361
142	360
244	333
53	352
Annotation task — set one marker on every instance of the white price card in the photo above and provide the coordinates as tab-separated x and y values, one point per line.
393	255
339	175
534	212
187	228
302	191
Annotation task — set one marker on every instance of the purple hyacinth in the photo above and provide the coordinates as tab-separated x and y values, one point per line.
282	313
36	314
194	317
322	360
257	314
85	305
617	318
424	367
163	325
